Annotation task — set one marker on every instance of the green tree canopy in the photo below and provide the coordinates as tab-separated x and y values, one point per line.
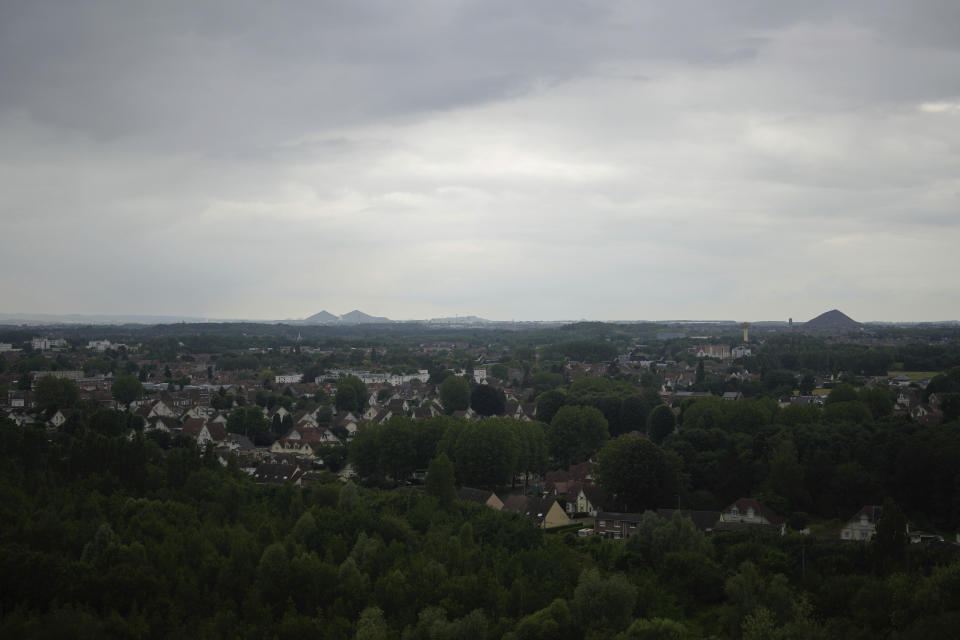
486	453
351	394
487	400
439	481
346	398
56	393
661	423
454	394
548	403
638	473
604	603
126	389
576	433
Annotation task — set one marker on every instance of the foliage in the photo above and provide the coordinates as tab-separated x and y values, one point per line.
575	433
487	400
580	350
661	423
637	472
486	453
454	394
603	604
351	394
548	403
126	389
439	482
56	393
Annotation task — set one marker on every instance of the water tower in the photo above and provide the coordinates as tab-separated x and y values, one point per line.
746	331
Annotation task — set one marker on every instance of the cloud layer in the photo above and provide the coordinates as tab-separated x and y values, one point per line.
510	160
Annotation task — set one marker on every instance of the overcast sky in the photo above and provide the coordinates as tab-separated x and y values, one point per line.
512	160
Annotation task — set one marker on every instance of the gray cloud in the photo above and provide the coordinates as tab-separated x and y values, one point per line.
527	160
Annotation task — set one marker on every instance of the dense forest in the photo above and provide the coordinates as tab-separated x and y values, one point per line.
108	531
104	536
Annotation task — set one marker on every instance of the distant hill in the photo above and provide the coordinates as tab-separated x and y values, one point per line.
324	317
359	317
354	317
832	321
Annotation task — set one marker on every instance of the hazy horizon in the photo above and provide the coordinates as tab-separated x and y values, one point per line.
164	318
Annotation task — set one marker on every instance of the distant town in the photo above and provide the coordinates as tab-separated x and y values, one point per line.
793	437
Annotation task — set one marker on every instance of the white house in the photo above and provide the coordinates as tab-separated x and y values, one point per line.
863	524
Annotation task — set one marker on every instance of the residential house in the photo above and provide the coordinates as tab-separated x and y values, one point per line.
193	426
900	380
422	413
616	525
480	496
382	416
546	513
924	413
20	419
199	411
305	441
161	423
747	513
19	399
238	442
57	420
205	431
589	499
277	473
162	409
863	524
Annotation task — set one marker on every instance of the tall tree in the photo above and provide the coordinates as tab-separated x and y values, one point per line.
487	401
454	394
486	453
891	535
548	403
639	473
126	389
661	423
439	481
56	393
346	398
576	433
